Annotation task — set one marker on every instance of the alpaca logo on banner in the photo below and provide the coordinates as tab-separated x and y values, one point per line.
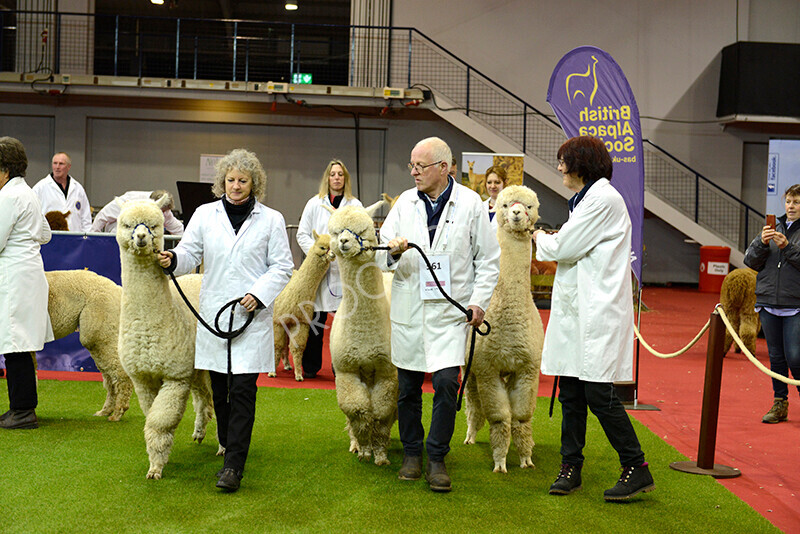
591	96
572	93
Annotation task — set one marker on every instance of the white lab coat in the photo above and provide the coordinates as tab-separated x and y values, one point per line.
590	332
257	260
24	321
432	335
106	219
76	202
493	221
315	217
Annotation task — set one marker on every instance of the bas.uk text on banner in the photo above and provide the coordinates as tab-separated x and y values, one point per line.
591	96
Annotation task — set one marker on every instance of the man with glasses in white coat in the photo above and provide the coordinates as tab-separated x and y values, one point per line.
429	335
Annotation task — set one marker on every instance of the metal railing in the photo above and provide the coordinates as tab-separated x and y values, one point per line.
364	56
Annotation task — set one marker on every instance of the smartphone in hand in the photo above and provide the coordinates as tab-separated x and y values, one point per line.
771	221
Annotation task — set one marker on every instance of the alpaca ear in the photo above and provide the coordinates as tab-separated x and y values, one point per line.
329	208
163	201
373	209
314	234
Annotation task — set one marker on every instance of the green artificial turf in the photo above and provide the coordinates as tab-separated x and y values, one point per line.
79	473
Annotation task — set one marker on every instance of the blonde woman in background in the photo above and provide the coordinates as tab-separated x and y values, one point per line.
334	192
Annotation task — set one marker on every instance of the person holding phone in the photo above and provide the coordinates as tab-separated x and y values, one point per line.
775	254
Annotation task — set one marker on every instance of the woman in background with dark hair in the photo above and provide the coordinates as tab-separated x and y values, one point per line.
24	322
775	254
589	340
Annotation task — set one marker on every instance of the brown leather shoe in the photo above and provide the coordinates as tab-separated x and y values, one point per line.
411	468
229	480
437	477
19	419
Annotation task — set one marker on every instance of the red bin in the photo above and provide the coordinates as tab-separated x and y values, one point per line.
714	265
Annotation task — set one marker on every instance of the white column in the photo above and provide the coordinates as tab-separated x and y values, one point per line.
369	47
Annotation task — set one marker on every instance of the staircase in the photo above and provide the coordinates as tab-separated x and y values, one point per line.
504	122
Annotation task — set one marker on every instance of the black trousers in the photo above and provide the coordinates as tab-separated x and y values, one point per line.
312	356
443	415
21	381
235	418
575	396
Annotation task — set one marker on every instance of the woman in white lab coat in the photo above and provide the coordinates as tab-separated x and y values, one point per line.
24	322
496	178
245	252
334	192
589	340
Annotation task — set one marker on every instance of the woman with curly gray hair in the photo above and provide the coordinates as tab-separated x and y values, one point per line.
245	250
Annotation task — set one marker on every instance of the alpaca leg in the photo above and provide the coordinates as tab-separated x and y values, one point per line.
298	343
146	393
353	399
280	346
748	331
203	404
498	412
384	410
162	420
354	447
124	388
522	391
734	316
108	405
473	409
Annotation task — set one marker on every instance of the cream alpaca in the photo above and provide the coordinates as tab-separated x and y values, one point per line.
366	379
87	301
294	307
156	337
504	381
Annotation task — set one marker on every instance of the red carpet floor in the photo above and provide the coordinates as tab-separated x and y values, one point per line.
767	455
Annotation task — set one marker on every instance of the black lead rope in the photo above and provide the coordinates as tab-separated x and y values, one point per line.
228	335
468	313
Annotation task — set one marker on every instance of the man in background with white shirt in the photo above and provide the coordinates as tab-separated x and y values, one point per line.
58	191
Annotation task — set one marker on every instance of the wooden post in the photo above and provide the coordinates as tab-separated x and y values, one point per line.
710	412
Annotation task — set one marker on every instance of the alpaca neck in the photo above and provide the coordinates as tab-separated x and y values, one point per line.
144	279
312	270
360	282
515	258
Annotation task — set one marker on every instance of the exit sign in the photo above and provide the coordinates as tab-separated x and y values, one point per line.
301	77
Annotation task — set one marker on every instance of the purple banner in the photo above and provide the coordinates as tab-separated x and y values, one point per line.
591	96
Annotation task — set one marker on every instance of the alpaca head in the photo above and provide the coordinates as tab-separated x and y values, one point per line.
57	220
140	228
517	210
321	249
352	234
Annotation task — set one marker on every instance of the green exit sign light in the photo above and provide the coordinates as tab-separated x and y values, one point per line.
302	77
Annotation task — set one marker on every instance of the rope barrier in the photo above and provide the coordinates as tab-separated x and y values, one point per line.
747	353
718	309
671	354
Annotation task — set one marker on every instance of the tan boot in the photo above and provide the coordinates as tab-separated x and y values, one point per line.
779	412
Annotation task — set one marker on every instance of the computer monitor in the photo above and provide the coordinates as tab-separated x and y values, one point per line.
193	195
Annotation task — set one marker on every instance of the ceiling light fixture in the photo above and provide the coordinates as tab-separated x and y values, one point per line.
291	5
157	2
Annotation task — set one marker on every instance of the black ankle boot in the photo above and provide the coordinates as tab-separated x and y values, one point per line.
634	480
568	480
19	419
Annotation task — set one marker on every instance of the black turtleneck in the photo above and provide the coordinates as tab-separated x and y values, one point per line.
238	213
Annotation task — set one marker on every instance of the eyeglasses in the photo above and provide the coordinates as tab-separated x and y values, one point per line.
562	162
419	168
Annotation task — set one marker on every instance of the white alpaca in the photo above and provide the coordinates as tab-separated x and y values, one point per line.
366	379
157	335
87	301
294	306
504	381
